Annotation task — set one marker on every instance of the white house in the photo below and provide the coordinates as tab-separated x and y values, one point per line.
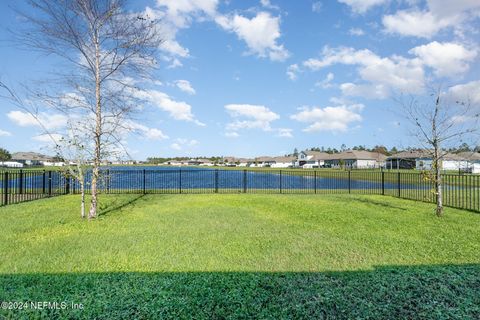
356	159
449	162
53	164
242	162
311	159
262	162
11	164
205	162
283	162
473	159
31	158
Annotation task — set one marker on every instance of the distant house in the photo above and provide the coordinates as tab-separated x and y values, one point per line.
31	158
423	160
205	162
283	162
175	163
311	159
263	162
473	159
356	159
406	159
11	164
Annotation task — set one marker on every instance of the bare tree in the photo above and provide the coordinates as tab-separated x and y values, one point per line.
439	123
70	146
107	51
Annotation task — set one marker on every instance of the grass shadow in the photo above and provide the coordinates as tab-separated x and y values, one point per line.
379	203
119	204
393	292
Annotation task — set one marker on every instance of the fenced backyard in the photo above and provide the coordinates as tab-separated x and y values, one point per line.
460	190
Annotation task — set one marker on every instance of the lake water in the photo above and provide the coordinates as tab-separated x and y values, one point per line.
175	179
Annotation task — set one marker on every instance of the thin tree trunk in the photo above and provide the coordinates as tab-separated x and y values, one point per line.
98	133
82	205
438	184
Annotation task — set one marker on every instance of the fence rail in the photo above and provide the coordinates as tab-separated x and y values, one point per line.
460	190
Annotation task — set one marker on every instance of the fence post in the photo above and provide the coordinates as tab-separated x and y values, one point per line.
280	181
216	180
349	182
67	185
144	182
5	188
383	183
50	183
244	181
43	182
180	180
20	182
315	181
398	183
108	180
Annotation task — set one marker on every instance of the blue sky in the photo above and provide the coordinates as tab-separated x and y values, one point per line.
250	78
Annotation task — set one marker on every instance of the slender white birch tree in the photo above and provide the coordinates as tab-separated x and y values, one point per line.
107	52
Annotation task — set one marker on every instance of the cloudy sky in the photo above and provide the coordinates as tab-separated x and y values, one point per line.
257	77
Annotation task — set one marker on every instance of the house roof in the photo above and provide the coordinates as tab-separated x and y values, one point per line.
284	159
318	155
358	155
472	156
234	160
25	156
204	160
411	154
265	159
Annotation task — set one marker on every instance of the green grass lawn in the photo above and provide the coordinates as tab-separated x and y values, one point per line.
242	256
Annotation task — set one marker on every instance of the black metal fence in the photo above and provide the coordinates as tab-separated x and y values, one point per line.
460	190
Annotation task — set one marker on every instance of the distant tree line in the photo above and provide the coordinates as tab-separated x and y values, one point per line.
5	155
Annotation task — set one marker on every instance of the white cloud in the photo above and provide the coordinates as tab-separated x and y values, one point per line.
176	146
149	133
393	73
292	71
372	91
415	23
362	6
249	116
232	134
256	112
267	4
467	93
317	7
178	110
447	59
4	133
438	15
181	144
181	12
48	121
327	82
176	15
155	134
185	86
48	139
356	32
260	33
333	119
284	133
383	76
448	8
